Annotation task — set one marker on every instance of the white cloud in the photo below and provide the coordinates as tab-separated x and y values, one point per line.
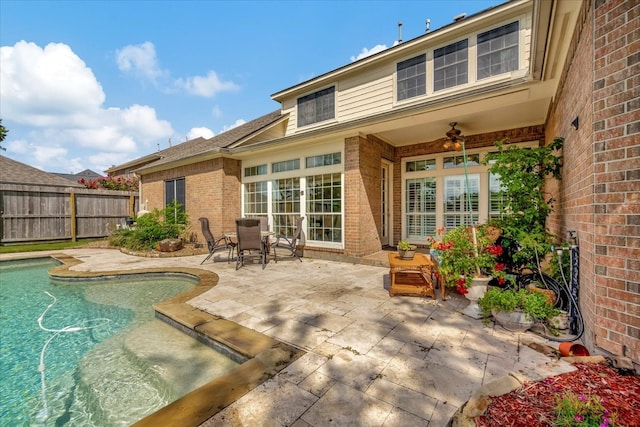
46	87
368	52
207	86
140	60
52	93
206	133
237	123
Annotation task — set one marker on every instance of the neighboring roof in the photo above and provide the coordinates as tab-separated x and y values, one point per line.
224	140
86	174
12	171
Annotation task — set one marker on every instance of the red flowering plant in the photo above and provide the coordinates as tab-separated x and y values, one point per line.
467	252
112	183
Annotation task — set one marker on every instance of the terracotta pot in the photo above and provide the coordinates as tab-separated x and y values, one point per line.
568	349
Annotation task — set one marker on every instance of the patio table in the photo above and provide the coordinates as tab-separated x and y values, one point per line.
412	277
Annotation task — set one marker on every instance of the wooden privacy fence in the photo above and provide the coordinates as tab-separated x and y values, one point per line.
37	212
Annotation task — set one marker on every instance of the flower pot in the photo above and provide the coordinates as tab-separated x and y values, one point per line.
514	321
568	349
407	254
476	290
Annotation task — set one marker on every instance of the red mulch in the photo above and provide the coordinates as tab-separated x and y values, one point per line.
533	404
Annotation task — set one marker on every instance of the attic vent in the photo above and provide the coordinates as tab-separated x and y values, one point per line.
459	17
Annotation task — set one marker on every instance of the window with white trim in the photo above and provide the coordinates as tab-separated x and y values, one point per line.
324	207
411	76
498	50
309	186
256	198
451	65
317	107
461	206
420	216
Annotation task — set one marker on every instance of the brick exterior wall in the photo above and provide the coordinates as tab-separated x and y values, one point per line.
212	191
362	196
616	112
600	197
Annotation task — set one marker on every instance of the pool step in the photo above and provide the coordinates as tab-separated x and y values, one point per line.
150	367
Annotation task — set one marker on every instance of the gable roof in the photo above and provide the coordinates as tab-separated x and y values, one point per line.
86	174
12	171
201	146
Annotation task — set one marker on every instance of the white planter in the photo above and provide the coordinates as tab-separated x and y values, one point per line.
514	321
476	290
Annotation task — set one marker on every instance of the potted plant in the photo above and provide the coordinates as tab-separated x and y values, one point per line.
517	310
463	257
406	250
467	261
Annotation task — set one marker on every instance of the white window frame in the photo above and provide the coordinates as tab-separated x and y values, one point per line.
439	173
302	173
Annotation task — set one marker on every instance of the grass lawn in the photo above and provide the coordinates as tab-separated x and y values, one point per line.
44	246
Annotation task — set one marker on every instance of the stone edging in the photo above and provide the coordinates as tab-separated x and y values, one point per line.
265	356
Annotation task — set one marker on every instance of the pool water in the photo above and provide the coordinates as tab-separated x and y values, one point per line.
92	353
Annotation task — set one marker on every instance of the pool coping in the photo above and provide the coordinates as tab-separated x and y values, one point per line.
265	356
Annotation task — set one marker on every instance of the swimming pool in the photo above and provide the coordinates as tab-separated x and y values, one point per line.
92	353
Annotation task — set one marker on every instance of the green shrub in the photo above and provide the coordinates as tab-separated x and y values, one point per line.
168	223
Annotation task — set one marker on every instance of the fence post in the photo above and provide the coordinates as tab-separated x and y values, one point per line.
74	231
132	205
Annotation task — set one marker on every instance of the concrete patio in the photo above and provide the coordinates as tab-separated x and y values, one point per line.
371	360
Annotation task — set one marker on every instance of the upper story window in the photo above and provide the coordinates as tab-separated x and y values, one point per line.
498	51
412	77
317	107
450	65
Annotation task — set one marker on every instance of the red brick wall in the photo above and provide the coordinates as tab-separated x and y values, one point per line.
600	197
212	191
616	144
362	196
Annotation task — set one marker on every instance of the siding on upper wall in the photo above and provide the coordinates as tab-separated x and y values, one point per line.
371	89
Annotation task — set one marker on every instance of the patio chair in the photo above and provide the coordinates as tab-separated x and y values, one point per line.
214	244
289	243
249	238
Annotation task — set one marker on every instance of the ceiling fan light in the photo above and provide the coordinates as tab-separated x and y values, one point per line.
457	146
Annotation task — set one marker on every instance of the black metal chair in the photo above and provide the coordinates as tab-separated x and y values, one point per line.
214	244
249	238
289	243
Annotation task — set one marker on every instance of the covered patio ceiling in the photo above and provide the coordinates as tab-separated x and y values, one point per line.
474	116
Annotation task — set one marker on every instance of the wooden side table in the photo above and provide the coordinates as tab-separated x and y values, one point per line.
411	277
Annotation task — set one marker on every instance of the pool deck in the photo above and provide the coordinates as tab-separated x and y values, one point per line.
330	346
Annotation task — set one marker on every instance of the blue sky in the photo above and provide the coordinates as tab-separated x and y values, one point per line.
91	84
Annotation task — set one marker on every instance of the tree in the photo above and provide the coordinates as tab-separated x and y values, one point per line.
3	134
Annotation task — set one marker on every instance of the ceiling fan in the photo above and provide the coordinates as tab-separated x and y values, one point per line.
453	138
